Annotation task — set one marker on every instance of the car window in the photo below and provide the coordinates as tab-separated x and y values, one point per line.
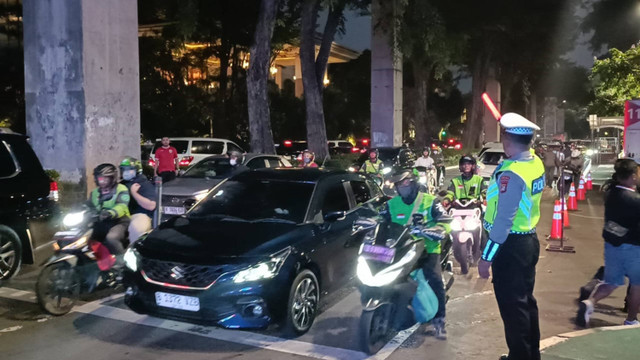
360	191
274	163
257	199
179	145
374	188
210	168
335	199
257	163
344	144
233	147
207	147
492	158
7	165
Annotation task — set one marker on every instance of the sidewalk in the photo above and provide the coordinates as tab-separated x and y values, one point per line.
611	342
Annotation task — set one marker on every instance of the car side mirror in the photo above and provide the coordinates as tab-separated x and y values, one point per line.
334	216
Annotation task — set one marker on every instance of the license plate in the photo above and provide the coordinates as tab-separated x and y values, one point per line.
378	253
175	301
174	210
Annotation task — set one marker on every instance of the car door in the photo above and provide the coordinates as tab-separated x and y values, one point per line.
257	163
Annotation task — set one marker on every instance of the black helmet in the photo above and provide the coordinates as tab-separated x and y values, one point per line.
427	149
407	174
468	159
106	170
375	151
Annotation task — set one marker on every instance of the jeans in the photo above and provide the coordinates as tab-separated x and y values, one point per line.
430	264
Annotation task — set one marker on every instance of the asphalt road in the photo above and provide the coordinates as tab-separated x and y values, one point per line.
106	329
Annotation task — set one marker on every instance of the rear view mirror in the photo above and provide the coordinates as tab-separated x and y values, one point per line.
334	216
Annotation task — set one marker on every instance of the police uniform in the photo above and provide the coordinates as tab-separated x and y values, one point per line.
513	211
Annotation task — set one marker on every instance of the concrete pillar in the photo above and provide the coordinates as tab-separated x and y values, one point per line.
386	81
491	125
81	84
549	122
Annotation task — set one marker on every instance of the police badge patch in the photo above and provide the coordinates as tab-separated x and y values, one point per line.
504	181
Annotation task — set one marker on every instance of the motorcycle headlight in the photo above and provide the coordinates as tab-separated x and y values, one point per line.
73	219
352	169
386	170
422	180
456	225
590	152
200	195
385	276
131	259
264	270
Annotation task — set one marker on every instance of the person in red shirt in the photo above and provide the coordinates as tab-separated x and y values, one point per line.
308	158
166	161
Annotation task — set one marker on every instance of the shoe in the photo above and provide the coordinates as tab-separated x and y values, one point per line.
440	331
584	313
634	322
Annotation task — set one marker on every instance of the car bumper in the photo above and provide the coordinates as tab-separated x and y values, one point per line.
227	304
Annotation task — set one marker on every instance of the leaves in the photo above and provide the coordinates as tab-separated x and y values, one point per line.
615	79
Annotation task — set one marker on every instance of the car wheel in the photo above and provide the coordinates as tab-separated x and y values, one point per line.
302	305
10	252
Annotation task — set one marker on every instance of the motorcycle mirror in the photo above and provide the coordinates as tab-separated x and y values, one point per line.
334	216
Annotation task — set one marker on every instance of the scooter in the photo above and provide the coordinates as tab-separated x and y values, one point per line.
80	265
386	259
427	179
466	231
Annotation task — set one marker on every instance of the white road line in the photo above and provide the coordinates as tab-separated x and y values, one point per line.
14	294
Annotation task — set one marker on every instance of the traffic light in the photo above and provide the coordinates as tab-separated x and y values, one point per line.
443	133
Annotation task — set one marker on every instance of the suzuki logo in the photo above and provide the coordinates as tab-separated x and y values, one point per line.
177	273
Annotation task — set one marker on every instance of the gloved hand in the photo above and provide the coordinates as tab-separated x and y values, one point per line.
417	219
106	215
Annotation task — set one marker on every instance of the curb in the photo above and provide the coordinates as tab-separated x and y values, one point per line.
557	339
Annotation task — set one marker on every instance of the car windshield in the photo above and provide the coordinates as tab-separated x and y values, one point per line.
492	158
210	168
253	199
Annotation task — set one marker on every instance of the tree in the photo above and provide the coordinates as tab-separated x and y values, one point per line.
259	117
614	23
615	79
12	107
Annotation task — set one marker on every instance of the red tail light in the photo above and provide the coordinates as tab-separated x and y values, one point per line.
152	163
355	149
53	191
434	146
450	141
186	160
287	143
458	147
365	141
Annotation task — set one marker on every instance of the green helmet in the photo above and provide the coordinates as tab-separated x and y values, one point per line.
130	163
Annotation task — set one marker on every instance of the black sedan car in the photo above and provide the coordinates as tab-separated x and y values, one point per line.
261	247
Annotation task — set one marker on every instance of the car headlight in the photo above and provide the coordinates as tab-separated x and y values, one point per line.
456	225
352	169
590	152
200	195
385	276
386	170
264	270
78	244
131	259
73	219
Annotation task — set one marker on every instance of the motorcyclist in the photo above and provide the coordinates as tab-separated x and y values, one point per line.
468	185
421	211
308	159
373	165
425	160
236	159
111	200
143	197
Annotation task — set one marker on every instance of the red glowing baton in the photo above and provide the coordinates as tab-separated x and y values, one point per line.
491	106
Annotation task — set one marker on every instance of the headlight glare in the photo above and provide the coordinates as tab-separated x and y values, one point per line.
200	195
264	270
386	170
73	219
456	225
131	259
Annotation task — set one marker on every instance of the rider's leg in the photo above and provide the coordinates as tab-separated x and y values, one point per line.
140	224
433	274
113	240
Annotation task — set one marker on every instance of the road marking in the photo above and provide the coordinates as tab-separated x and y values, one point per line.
454	300
587	217
11	329
15	294
557	339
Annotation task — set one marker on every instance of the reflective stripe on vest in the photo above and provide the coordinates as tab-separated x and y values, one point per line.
528	214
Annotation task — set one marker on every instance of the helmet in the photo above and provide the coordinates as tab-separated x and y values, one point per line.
407	193
237	154
407	174
427	149
106	170
375	151
130	163
468	159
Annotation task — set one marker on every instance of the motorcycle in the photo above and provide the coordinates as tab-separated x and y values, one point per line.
466	231
80	265
386	259
427	179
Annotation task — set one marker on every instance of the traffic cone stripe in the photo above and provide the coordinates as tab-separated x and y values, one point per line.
556	223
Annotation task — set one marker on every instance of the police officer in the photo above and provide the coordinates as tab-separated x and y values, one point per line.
373	165
513	211
412	207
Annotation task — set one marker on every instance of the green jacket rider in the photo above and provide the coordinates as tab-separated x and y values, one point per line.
468	185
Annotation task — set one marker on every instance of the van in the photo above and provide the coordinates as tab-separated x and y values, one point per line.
191	149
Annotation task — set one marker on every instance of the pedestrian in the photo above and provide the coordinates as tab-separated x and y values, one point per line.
621	235
308	159
513	211
143	197
575	163
549	159
166	161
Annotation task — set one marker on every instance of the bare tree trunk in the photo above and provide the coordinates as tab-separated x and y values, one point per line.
258	100
421	79
330	29
474	130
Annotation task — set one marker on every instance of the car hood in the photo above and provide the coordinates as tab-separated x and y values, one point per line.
185	186
216	241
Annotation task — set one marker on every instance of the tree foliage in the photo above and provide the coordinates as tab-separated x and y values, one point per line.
613	23
12	107
615	79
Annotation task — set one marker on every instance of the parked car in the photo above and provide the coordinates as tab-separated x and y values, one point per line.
341	147
180	194
489	160
29	210
263	246
393	157
363	144
291	150
191	150
490	145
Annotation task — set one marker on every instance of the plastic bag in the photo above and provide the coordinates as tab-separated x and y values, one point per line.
425	302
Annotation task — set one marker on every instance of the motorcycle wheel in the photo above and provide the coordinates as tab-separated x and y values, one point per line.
58	288
375	329
461	253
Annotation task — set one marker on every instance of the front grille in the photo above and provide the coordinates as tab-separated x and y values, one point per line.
172	200
181	274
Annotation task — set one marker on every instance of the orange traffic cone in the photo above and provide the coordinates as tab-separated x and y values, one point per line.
582	193
573	202
589	185
565	215
556	223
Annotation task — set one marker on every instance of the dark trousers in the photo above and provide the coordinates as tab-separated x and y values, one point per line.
430	264
514	273
548	173
167	176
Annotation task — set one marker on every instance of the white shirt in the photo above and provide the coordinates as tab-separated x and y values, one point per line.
424	161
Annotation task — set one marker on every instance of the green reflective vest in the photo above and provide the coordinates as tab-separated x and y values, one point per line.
118	204
528	214
401	214
372	168
466	189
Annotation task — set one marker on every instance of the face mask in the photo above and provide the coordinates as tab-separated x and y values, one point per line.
407	193
128	175
307	160
233	162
